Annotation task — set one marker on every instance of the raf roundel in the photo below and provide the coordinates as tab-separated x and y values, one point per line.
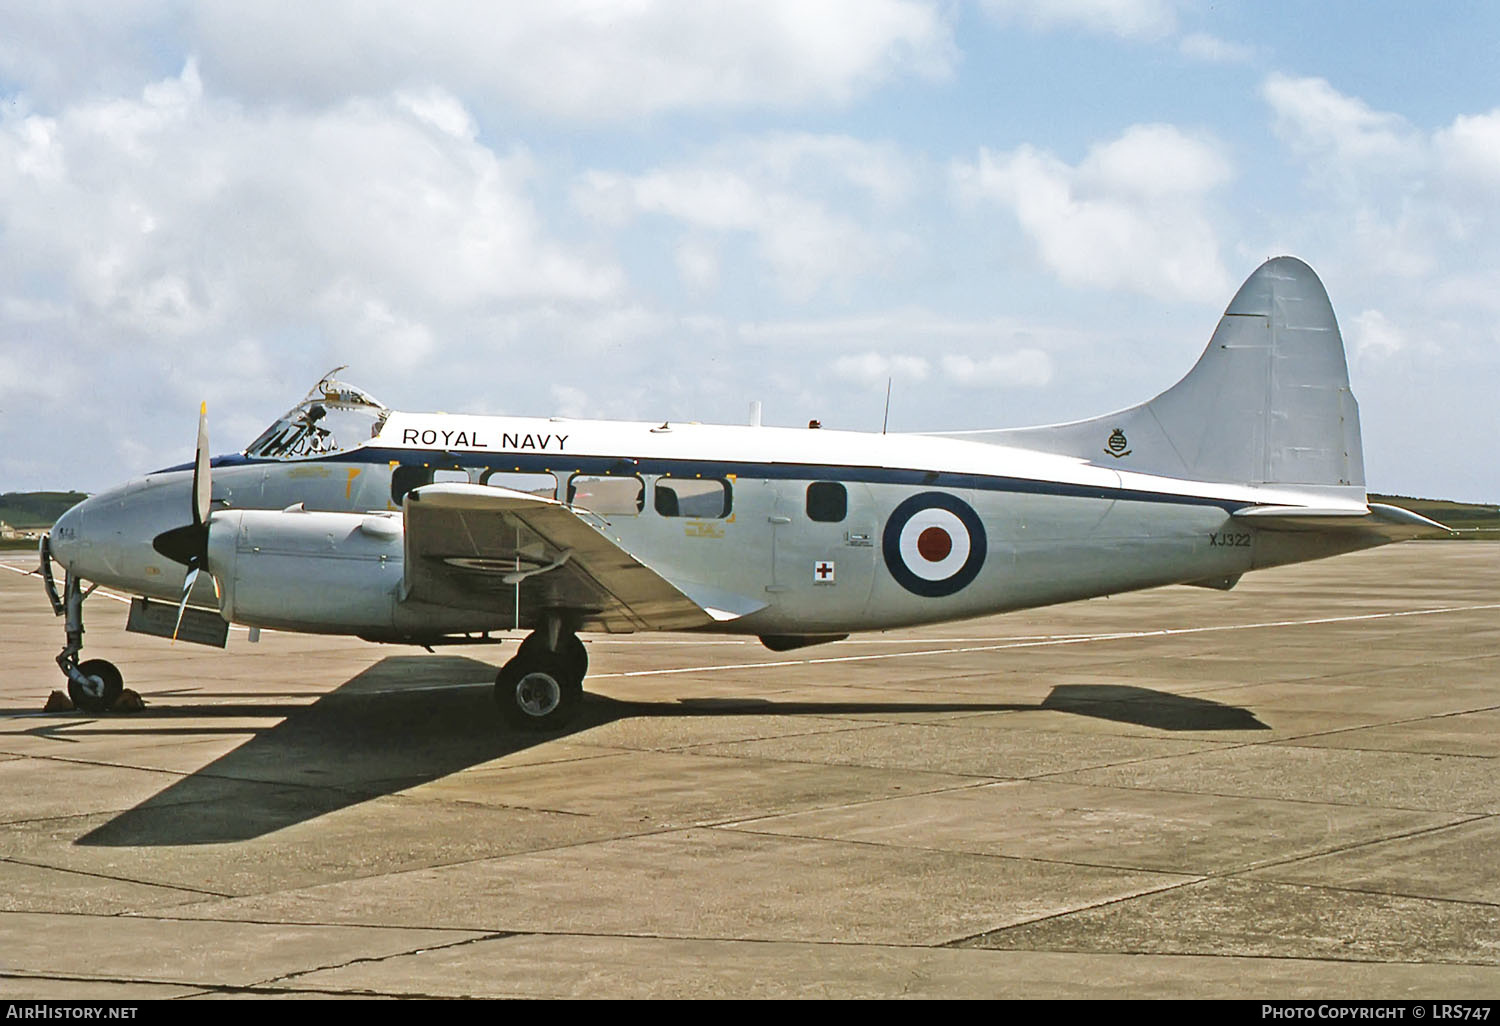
934	544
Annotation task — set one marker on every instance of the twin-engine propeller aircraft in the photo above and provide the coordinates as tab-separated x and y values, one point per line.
346	517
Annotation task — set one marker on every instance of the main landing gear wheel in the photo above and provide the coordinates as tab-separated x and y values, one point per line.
574	657
100	686
542	690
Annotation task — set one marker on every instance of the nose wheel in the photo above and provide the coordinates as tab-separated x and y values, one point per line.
93	684
541	688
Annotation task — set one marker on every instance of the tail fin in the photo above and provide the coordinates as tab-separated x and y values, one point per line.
1268	402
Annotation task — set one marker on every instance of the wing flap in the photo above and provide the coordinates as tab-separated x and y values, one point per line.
481	547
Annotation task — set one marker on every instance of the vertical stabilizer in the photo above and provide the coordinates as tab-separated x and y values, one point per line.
1268	402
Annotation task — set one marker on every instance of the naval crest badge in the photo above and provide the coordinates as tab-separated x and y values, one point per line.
1117	444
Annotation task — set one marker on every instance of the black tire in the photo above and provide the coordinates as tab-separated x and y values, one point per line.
572	654
537	693
110	684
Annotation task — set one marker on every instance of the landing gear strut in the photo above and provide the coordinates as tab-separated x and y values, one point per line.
93	684
541	688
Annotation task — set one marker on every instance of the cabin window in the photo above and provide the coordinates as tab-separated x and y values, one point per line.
544	485
704	498
413	475
406	477
607	496
827	502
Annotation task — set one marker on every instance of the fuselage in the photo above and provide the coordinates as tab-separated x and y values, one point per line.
816	531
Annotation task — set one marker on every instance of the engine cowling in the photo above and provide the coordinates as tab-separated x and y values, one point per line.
306	571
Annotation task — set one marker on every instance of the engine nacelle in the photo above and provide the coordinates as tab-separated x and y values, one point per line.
317	572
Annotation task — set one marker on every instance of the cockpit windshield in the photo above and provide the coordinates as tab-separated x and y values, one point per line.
333	417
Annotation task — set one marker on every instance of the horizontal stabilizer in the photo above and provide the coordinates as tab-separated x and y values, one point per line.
1390	522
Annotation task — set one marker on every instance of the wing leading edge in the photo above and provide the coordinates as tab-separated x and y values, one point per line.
481	547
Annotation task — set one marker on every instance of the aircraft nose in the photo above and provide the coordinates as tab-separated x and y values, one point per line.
108	538
68	533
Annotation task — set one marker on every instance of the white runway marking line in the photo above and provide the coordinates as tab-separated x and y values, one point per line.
28	571
1060	640
122	599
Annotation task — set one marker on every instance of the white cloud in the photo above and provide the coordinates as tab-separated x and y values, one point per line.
1373	334
1132	19
348	184
150	243
1390	169
697	263
790	193
1476	290
1025	368
876	368
1153	163
1403	220
578	59
1318	119
1200	46
176	213
380	335
1469	149
1409	208
571	402
57	51
14	379
880	170
1132	215
440	110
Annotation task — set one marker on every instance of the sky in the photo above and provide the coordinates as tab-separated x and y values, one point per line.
1016	211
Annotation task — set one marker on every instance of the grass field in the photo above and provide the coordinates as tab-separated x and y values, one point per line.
36	509
31	511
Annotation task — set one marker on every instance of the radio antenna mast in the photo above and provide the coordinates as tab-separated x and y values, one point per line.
885	422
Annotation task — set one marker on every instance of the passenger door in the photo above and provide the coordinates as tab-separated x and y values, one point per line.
822	552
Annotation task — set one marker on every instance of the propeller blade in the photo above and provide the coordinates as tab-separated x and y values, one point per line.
188	544
202	482
187	587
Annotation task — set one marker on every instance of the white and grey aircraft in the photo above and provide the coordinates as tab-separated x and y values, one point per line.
346	517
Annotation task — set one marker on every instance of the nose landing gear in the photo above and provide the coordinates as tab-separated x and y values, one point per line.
94	684
541	688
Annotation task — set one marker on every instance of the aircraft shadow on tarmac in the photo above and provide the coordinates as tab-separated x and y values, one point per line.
408	720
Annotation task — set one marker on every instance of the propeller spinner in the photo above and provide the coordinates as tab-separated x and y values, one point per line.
188	544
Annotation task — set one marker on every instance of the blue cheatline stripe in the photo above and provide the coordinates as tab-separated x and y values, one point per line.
564	462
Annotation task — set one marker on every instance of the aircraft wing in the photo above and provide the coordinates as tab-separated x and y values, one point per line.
1391	522
480	547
